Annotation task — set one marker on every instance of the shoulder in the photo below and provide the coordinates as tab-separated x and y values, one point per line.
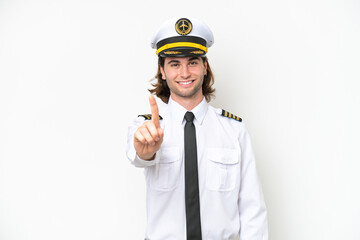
228	123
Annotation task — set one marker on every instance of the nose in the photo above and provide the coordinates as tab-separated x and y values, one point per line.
185	73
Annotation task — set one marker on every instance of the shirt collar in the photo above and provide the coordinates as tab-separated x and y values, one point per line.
177	111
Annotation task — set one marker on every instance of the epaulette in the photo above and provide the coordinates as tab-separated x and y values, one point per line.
230	115
148	116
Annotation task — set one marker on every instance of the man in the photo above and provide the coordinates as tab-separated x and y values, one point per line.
199	166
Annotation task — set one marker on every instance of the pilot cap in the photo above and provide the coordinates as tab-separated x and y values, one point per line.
180	37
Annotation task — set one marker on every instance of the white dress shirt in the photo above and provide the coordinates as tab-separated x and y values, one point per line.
231	200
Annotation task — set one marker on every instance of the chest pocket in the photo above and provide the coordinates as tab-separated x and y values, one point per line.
164	176
223	169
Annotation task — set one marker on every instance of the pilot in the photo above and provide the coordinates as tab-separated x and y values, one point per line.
199	165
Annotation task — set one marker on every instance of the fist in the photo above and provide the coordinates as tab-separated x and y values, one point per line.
149	136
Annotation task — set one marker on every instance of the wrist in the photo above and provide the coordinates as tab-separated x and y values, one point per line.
147	157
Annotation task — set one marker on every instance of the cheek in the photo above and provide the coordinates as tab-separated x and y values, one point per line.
170	75
200	72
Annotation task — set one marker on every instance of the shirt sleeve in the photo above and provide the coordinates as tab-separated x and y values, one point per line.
130	150
252	209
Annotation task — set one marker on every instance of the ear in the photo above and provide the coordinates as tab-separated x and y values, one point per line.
162	73
205	67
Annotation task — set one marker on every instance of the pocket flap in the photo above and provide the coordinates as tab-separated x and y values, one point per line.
223	155
170	154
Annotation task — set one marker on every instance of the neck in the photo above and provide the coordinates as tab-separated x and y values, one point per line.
188	103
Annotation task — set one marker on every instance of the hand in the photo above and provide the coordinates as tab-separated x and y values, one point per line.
149	136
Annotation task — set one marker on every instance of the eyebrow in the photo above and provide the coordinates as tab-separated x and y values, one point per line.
173	61
194	58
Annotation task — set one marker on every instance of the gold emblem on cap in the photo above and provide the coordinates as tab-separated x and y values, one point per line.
183	26
172	52
197	52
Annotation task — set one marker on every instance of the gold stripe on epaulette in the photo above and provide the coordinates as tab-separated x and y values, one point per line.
148	116
230	115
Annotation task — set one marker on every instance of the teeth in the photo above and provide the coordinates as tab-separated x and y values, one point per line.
185	83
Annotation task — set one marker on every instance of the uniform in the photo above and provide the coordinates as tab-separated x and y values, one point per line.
203	185
231	198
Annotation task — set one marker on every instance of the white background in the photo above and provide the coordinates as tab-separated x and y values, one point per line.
74	73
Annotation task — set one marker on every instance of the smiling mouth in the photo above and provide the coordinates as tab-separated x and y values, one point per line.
185	83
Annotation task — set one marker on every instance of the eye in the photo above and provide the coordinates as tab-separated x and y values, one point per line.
193	63
174	65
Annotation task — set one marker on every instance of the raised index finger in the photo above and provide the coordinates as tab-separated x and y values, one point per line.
154	111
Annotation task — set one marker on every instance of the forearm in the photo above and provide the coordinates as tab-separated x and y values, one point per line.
252	209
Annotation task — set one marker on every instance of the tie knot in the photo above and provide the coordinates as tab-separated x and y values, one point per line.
189	116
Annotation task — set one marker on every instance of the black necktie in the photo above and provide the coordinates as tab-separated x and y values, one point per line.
192	203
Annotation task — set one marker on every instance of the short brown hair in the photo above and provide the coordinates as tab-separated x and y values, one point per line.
162	91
